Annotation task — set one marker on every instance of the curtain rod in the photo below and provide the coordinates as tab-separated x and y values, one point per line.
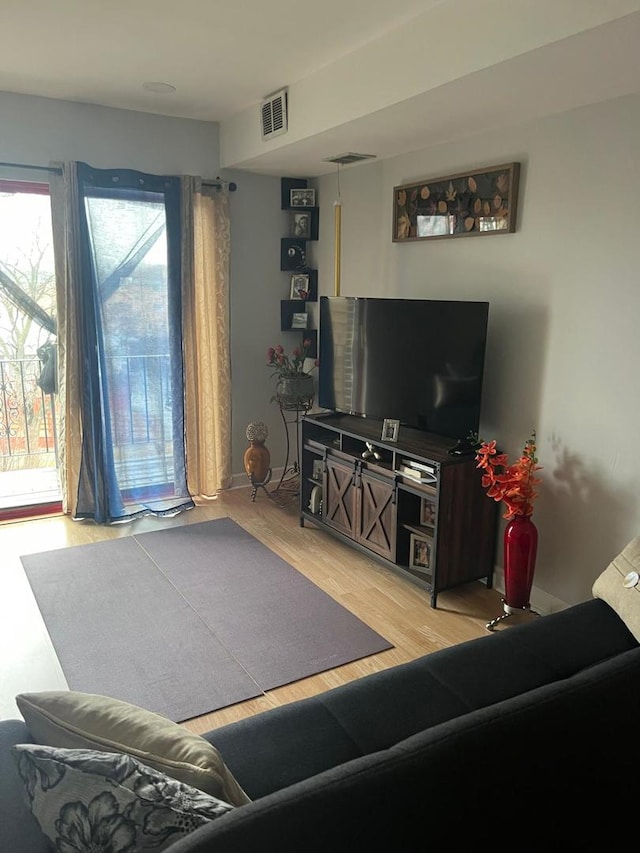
55	170
220	183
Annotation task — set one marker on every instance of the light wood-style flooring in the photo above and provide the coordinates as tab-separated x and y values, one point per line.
387	602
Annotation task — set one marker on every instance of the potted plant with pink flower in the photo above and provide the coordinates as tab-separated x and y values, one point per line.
295	385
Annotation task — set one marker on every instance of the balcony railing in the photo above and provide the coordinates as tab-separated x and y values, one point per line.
141	421
27	417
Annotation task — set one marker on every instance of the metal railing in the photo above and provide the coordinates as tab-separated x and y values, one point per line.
141	419
27	415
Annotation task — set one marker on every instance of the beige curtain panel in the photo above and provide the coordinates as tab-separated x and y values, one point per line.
206	251
63	190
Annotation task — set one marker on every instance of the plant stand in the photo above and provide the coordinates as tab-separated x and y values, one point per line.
255	485
292	413
509	611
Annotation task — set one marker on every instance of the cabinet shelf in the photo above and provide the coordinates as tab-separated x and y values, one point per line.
371	505
420	529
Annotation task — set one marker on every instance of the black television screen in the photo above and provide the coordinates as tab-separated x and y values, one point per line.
420	361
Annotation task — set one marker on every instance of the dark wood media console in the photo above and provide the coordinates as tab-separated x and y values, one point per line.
410	504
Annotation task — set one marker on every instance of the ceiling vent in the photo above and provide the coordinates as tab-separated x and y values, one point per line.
349	157
273	114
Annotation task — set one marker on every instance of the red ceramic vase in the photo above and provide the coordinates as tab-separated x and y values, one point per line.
520	548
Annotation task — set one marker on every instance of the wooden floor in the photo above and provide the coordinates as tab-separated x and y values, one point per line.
387	602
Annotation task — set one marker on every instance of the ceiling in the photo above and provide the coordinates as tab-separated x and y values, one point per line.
224	58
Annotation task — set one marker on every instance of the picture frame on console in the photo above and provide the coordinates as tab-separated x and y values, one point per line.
390	429
427	512
420	552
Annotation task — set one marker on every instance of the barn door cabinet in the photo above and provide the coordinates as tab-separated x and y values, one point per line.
410	504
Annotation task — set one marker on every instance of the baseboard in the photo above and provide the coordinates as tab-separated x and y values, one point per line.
241	481
541	601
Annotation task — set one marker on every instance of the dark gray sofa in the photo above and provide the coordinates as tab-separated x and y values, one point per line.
531	730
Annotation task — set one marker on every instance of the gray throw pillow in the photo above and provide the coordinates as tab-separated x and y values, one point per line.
86	800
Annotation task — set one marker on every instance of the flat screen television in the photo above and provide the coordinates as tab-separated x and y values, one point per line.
420	361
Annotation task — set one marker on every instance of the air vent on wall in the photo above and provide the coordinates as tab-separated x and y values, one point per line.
273	114
349	157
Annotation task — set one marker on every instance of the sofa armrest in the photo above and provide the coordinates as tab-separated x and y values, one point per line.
19	830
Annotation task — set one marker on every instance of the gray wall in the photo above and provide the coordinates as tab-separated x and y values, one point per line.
563	350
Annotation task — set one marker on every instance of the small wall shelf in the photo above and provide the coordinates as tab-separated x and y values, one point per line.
301	278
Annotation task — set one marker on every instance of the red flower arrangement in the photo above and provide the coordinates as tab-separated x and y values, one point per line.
513	484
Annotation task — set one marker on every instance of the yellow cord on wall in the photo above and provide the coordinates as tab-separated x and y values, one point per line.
337	217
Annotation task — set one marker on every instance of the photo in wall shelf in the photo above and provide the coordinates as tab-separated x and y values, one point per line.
286	185
304	224
300	286
302	198
293	254
290	308
468	204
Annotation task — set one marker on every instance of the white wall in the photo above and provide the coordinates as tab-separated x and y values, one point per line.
40	130
446	42
563	350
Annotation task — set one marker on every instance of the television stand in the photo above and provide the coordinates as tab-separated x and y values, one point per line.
411	504
463	447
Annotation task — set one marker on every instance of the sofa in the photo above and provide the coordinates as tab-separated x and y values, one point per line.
526	735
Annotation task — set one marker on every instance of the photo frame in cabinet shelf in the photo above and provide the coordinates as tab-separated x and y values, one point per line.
317	469
427	512
420	548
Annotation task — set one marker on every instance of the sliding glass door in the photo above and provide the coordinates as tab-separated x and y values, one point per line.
29	482
129	306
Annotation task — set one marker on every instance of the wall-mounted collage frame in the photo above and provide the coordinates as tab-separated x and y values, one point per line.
468	204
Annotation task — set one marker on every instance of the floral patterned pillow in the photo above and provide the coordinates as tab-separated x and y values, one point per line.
87	800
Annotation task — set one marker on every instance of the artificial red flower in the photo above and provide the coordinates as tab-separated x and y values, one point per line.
513	484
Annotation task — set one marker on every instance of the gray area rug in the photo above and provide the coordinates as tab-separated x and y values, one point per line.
190	619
